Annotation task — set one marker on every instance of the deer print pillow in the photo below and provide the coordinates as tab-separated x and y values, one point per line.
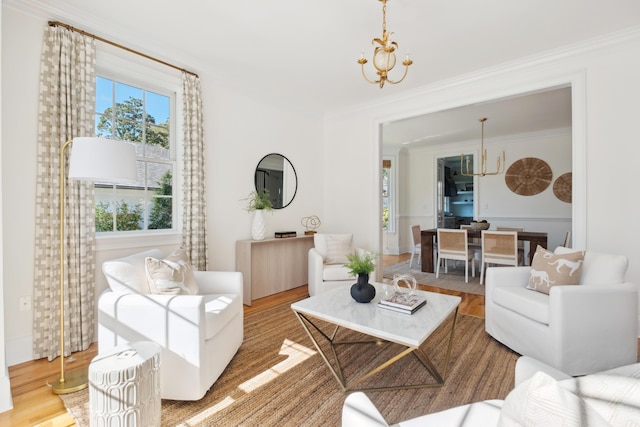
549	269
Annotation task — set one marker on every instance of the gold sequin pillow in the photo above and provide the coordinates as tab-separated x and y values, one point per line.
549	269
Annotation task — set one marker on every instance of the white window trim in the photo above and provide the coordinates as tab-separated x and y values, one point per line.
140	72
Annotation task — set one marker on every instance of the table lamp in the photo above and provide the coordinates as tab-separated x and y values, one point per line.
98	160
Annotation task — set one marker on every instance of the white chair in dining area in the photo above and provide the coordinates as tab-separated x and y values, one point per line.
415	244
498	247
453	245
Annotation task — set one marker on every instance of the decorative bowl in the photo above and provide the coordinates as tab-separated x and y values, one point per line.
480	225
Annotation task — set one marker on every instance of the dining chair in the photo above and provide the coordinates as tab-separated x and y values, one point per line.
475	245
498	247
415	244
520	243
453	244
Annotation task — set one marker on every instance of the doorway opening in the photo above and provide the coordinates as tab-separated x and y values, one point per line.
455	193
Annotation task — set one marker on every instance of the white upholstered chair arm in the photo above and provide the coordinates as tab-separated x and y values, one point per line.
358	410
601	333
219	282
527	366
316	264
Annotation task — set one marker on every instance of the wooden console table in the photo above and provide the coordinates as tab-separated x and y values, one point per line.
534	238
272	265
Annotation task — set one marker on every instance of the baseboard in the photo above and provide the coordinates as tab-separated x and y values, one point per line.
19	350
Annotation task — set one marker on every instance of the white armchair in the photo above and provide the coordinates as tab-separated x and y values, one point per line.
577	329
198	334
327	259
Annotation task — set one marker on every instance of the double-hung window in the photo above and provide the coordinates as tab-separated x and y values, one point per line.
143	116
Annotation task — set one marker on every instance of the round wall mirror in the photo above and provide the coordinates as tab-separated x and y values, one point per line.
276	174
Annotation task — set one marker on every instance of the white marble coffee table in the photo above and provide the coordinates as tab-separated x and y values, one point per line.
409	330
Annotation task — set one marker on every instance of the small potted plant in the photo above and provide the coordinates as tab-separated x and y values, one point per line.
259	201
361	266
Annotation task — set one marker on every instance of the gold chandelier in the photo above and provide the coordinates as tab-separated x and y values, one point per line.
483	160
384	58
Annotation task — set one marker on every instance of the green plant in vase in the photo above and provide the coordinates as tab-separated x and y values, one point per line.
362	265
259	201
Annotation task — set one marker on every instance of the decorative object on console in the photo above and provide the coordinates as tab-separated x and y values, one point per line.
384	58
258	202
528	176
468	171
285	234
549	269
311	223
362	266
92	159
562	187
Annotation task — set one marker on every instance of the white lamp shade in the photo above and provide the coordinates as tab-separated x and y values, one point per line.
102	160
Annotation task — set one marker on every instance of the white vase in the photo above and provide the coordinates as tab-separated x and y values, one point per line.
258	226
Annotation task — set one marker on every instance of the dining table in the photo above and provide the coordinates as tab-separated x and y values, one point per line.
429	236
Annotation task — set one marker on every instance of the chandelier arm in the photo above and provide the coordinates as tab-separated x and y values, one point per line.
373	82
406	69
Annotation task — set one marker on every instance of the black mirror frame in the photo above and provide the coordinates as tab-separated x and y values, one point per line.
295	174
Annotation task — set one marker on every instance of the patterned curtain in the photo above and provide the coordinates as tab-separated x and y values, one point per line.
194	219
67	103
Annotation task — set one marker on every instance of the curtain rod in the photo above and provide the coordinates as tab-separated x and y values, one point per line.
93	36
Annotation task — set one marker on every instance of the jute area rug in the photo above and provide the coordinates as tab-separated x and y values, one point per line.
453	280
278	378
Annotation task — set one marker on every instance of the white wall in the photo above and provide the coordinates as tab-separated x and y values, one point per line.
603	75
6	402
239	131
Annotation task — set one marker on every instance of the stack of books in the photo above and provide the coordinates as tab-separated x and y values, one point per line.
285	234
402	302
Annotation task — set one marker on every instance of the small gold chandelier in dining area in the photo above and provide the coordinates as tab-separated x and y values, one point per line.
468	170
384	57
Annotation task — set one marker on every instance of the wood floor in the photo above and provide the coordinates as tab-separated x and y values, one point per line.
34	404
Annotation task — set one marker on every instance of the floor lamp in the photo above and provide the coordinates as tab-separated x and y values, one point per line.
91	159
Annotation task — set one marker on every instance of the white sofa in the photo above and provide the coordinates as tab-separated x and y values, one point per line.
198	334
542	396
578	329
327	259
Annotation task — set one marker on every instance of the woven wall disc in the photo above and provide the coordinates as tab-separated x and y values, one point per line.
528	176
562	187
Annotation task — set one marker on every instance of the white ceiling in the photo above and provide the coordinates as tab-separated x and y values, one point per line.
304	53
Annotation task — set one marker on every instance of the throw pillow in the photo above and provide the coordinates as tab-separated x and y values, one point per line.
549	269
338	247
172	275
541	400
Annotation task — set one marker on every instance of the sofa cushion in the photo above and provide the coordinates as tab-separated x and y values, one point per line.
549	269
172	275
600	268
542	400
333	247
603	399
219	309
127	274
334	272
534	305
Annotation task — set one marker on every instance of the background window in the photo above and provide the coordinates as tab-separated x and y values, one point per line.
143	117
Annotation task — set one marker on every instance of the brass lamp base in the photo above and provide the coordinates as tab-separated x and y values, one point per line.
73	381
